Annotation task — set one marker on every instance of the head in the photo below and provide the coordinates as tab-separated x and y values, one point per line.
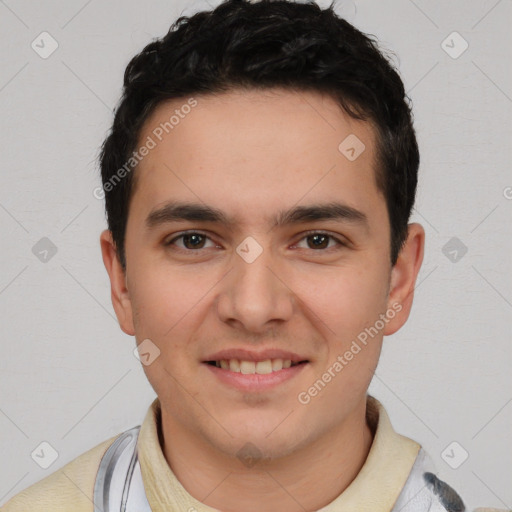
280	138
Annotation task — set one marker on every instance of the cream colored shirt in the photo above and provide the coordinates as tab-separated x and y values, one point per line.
375	488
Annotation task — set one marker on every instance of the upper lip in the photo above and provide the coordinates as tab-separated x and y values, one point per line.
248	355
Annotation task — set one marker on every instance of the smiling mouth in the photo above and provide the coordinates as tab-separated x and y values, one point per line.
255	367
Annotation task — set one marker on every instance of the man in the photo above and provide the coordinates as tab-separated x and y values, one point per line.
259	178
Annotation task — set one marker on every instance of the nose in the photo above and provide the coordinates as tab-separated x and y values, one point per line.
255	295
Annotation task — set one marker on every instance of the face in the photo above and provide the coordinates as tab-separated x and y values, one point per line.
280	259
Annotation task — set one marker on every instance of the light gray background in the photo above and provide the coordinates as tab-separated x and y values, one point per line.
67	372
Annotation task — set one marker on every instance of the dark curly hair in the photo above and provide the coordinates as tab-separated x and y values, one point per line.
265	44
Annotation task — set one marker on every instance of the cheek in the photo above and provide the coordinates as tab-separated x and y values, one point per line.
163	298
347	298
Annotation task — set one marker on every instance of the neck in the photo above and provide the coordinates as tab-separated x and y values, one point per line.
307	479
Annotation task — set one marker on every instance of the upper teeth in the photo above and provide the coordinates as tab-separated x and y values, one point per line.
248	367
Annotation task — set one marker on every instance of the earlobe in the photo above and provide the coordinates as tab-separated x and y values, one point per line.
118	283
403	277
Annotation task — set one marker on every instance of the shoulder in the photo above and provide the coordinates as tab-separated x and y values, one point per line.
69	488
425	491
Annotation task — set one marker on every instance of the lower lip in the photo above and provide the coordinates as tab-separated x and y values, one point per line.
255	382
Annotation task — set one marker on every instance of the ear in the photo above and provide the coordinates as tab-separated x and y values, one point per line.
403	278
118	286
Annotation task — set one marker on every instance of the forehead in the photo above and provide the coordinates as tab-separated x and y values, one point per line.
253	150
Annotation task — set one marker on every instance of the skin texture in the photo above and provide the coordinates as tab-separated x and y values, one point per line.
252	154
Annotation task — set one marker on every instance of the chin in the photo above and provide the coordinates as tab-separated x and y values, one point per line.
267	444
261	439
261	451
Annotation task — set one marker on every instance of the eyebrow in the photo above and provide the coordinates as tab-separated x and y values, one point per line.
173	211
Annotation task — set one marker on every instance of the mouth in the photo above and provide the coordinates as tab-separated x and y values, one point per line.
264	367
255	376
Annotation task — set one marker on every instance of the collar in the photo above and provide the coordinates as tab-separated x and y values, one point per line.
375	488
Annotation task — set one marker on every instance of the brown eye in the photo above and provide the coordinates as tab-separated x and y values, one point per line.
193	241
317	240
189	241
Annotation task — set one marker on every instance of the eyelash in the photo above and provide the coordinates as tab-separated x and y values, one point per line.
305	235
